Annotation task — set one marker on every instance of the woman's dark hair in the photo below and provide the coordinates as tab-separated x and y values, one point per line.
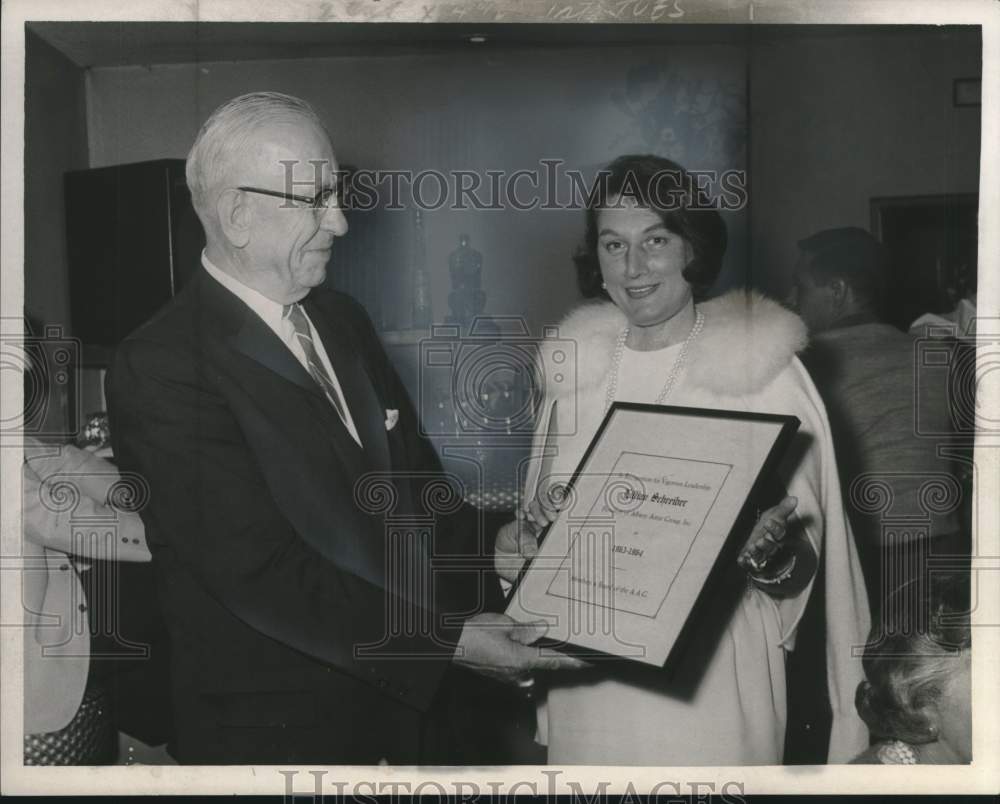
665	188
912	653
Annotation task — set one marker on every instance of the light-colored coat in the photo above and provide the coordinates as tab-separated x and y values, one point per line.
743	360
67	521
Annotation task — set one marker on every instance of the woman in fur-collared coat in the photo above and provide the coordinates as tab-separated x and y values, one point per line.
653	343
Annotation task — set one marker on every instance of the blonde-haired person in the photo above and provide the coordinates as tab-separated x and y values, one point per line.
917	698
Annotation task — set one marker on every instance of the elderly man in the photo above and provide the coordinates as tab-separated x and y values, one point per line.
257	406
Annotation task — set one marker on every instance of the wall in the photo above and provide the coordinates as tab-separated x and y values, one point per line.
477	110
836	119
55	141
839	119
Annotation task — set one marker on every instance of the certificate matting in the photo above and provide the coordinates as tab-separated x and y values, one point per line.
657	510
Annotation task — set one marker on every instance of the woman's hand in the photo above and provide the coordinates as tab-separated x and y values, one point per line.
544	508
767	537
517	541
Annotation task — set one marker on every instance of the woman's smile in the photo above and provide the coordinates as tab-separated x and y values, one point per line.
641	291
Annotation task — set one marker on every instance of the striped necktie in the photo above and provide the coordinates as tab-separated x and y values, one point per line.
295	314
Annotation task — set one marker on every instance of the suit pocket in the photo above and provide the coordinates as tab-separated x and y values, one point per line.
267	709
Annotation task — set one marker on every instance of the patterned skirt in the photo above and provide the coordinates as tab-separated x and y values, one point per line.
88	739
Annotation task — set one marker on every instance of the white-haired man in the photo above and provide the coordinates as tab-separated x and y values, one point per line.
254	403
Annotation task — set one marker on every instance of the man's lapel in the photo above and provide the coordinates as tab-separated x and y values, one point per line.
253	338
367	410
244	331
257	341
250	336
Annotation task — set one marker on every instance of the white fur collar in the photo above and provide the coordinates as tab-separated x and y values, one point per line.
748	339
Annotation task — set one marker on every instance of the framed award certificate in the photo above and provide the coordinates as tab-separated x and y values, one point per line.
653	519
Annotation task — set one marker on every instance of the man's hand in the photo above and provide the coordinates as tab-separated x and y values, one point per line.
496	646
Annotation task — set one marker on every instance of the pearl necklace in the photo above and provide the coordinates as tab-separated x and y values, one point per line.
896	752
609	398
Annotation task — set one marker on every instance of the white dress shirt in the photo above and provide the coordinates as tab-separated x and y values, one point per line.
272	314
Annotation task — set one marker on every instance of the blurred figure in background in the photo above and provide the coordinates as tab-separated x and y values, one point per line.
916	698
865	371
68	708
68	713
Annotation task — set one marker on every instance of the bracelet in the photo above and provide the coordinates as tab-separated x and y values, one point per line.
780	577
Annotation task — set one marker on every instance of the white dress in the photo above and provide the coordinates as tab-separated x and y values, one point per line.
737	714
734	713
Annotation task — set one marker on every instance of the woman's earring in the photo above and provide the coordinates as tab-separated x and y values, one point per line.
604	285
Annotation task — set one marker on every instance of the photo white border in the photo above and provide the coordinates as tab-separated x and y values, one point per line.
982	776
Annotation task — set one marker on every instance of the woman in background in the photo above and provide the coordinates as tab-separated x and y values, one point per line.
75	511
653	246
917	698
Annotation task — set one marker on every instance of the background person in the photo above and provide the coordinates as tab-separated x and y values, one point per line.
916	697
866	372
69	716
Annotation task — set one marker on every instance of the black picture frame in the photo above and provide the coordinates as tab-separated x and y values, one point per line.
715	600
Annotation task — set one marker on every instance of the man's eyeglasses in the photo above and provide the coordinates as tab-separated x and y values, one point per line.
321	201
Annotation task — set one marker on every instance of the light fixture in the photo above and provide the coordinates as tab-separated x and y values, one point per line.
477	39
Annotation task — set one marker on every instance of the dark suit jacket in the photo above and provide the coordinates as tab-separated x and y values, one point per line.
273	565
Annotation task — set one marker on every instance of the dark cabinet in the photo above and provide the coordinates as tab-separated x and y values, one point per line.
133	239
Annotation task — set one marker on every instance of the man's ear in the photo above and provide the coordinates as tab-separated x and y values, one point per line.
234	216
